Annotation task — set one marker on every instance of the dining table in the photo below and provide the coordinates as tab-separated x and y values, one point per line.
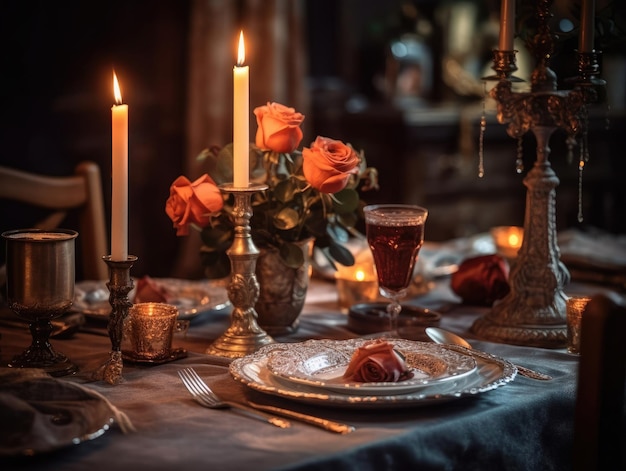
524	424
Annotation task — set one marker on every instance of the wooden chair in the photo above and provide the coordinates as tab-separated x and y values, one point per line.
599	434
82	192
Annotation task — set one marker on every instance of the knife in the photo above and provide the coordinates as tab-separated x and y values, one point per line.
328	425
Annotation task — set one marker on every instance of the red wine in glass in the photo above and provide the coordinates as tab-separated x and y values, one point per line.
395	234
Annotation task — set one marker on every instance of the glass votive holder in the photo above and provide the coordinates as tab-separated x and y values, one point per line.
508	240
575	306
351	291
149	330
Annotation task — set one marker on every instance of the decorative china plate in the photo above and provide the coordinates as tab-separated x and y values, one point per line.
192	297
322	363
491	372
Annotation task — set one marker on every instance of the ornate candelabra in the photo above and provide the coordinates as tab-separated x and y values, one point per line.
533	313
120	283
243	336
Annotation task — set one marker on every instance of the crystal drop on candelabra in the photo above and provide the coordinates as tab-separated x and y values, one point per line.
481	140
519	161
581	166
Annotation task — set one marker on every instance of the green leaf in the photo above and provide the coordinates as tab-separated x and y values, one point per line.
341	254
316	223
338	233
218	238
285	190
345	201
347	220
224	165
291	255
286	219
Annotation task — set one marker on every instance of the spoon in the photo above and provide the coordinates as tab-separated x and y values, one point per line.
445	337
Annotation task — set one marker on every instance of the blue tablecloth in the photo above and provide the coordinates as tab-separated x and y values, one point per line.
524	425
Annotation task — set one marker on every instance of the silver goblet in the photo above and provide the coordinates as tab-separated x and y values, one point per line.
40	286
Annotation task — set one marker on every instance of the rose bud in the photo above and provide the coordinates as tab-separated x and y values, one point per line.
481	280
376	362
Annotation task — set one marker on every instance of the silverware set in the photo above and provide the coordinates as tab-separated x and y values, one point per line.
205	396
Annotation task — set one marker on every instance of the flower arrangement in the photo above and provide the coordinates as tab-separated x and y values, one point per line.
313	193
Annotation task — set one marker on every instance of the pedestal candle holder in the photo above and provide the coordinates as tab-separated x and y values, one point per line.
120	283
533	313
243	336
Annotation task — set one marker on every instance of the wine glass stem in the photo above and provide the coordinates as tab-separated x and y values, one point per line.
393	309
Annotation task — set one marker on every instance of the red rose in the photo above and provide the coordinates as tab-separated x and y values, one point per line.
328	164
481	280
192	203
278	127
375	362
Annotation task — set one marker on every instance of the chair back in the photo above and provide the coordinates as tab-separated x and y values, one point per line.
81	191
599	421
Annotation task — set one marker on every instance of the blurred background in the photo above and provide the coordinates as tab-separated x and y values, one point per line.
400	79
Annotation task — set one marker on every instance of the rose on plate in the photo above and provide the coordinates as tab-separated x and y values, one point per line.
377	361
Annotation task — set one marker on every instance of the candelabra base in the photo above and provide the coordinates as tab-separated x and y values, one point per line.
528	335
235	343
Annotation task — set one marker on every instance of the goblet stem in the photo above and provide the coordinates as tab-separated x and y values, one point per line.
41	355
393	309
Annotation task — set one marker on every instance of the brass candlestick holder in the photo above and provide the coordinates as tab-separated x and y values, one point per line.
533	313
120	283
243	336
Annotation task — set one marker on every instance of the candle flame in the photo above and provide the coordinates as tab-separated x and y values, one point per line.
514	240
360	275
116	90
241	52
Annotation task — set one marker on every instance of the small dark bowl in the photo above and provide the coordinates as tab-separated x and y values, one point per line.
370	318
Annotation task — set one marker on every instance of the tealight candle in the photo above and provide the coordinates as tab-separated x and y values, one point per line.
508	240
356	285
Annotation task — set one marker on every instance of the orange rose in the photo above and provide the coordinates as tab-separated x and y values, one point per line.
192	202
278	127
328	164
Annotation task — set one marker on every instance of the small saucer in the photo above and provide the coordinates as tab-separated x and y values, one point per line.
370	318
175	354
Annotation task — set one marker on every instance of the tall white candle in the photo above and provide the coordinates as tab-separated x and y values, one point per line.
119	176
507	25
585	40
241	119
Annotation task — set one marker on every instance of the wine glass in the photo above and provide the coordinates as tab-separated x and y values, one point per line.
395	234
40	286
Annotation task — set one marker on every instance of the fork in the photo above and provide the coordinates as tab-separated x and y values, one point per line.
204	396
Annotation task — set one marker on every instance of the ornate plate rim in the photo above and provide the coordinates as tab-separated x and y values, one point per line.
344	348
491	372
